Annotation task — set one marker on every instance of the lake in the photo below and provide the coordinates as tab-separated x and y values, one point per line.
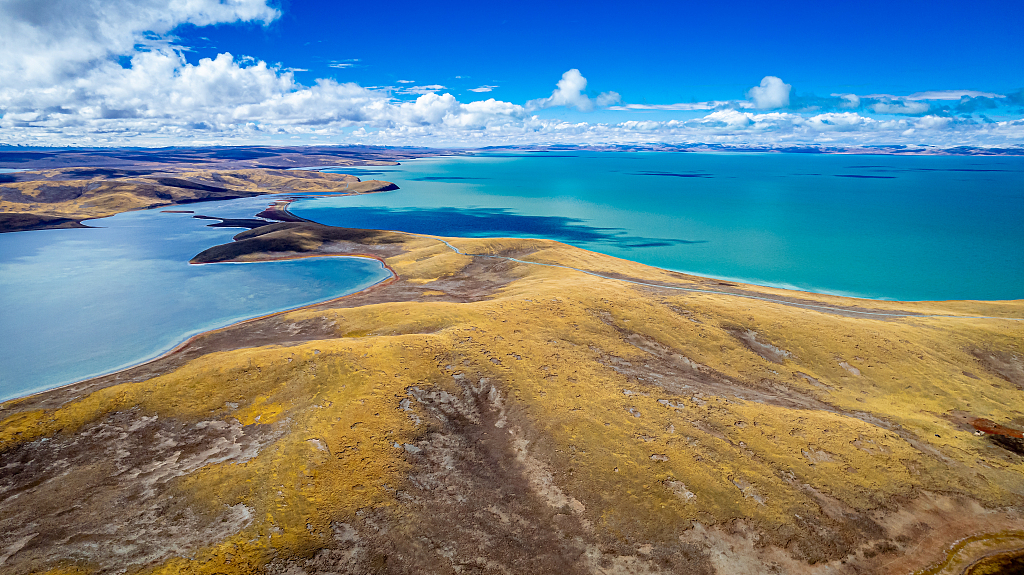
883	227
78	303
84	302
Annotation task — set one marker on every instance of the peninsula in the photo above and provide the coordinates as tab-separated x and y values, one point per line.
524	406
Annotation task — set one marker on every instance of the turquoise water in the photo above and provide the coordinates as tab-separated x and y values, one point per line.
885	227
78	303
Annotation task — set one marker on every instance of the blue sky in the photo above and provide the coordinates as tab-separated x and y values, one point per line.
657	52
153	72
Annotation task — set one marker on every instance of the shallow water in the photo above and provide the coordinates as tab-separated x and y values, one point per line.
884	227
77	303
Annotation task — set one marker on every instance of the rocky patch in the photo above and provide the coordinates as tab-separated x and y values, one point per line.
106	495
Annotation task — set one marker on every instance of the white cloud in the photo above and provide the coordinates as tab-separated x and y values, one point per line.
731	119
723	126
341	65
49	42
487	114
849	100
406	81
684	106
772	93
482	89
933	123
935	95
161	95
608	98
900	107
570	93
428	89
951	95
838	122
60	85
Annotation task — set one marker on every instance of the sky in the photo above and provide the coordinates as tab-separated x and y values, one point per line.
467	74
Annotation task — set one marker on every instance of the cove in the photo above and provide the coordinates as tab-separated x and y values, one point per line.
883	227
79	303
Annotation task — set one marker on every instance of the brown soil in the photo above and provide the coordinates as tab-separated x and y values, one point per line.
25	222
478	415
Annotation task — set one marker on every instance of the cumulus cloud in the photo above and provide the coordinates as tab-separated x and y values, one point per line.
570	93
107	72
162	95
43	43
722	126
772	93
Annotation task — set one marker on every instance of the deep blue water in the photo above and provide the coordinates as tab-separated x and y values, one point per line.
885	227
77	303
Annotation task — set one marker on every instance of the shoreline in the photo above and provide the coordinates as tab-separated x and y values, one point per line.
278	210
281	207
77	195
601	343
191	339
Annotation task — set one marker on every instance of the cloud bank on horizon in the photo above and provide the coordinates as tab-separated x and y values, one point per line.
110	72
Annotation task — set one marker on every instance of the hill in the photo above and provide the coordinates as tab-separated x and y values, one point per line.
523	406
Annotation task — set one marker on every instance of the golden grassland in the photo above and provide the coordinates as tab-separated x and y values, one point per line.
51	194
642	413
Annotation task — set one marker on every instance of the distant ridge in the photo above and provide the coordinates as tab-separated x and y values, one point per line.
234	157
893	149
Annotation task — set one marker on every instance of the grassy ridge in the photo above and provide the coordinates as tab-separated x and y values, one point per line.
53	198
526	418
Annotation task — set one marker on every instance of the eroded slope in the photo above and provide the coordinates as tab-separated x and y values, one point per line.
490	416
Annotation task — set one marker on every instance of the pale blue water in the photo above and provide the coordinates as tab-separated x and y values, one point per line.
77	303
885	227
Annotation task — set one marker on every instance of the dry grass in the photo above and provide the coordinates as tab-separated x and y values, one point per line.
852	422
49	194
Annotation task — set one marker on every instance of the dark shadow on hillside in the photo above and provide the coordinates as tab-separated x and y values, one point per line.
484	222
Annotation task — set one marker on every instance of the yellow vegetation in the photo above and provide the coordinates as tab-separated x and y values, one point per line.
643	457
49	194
